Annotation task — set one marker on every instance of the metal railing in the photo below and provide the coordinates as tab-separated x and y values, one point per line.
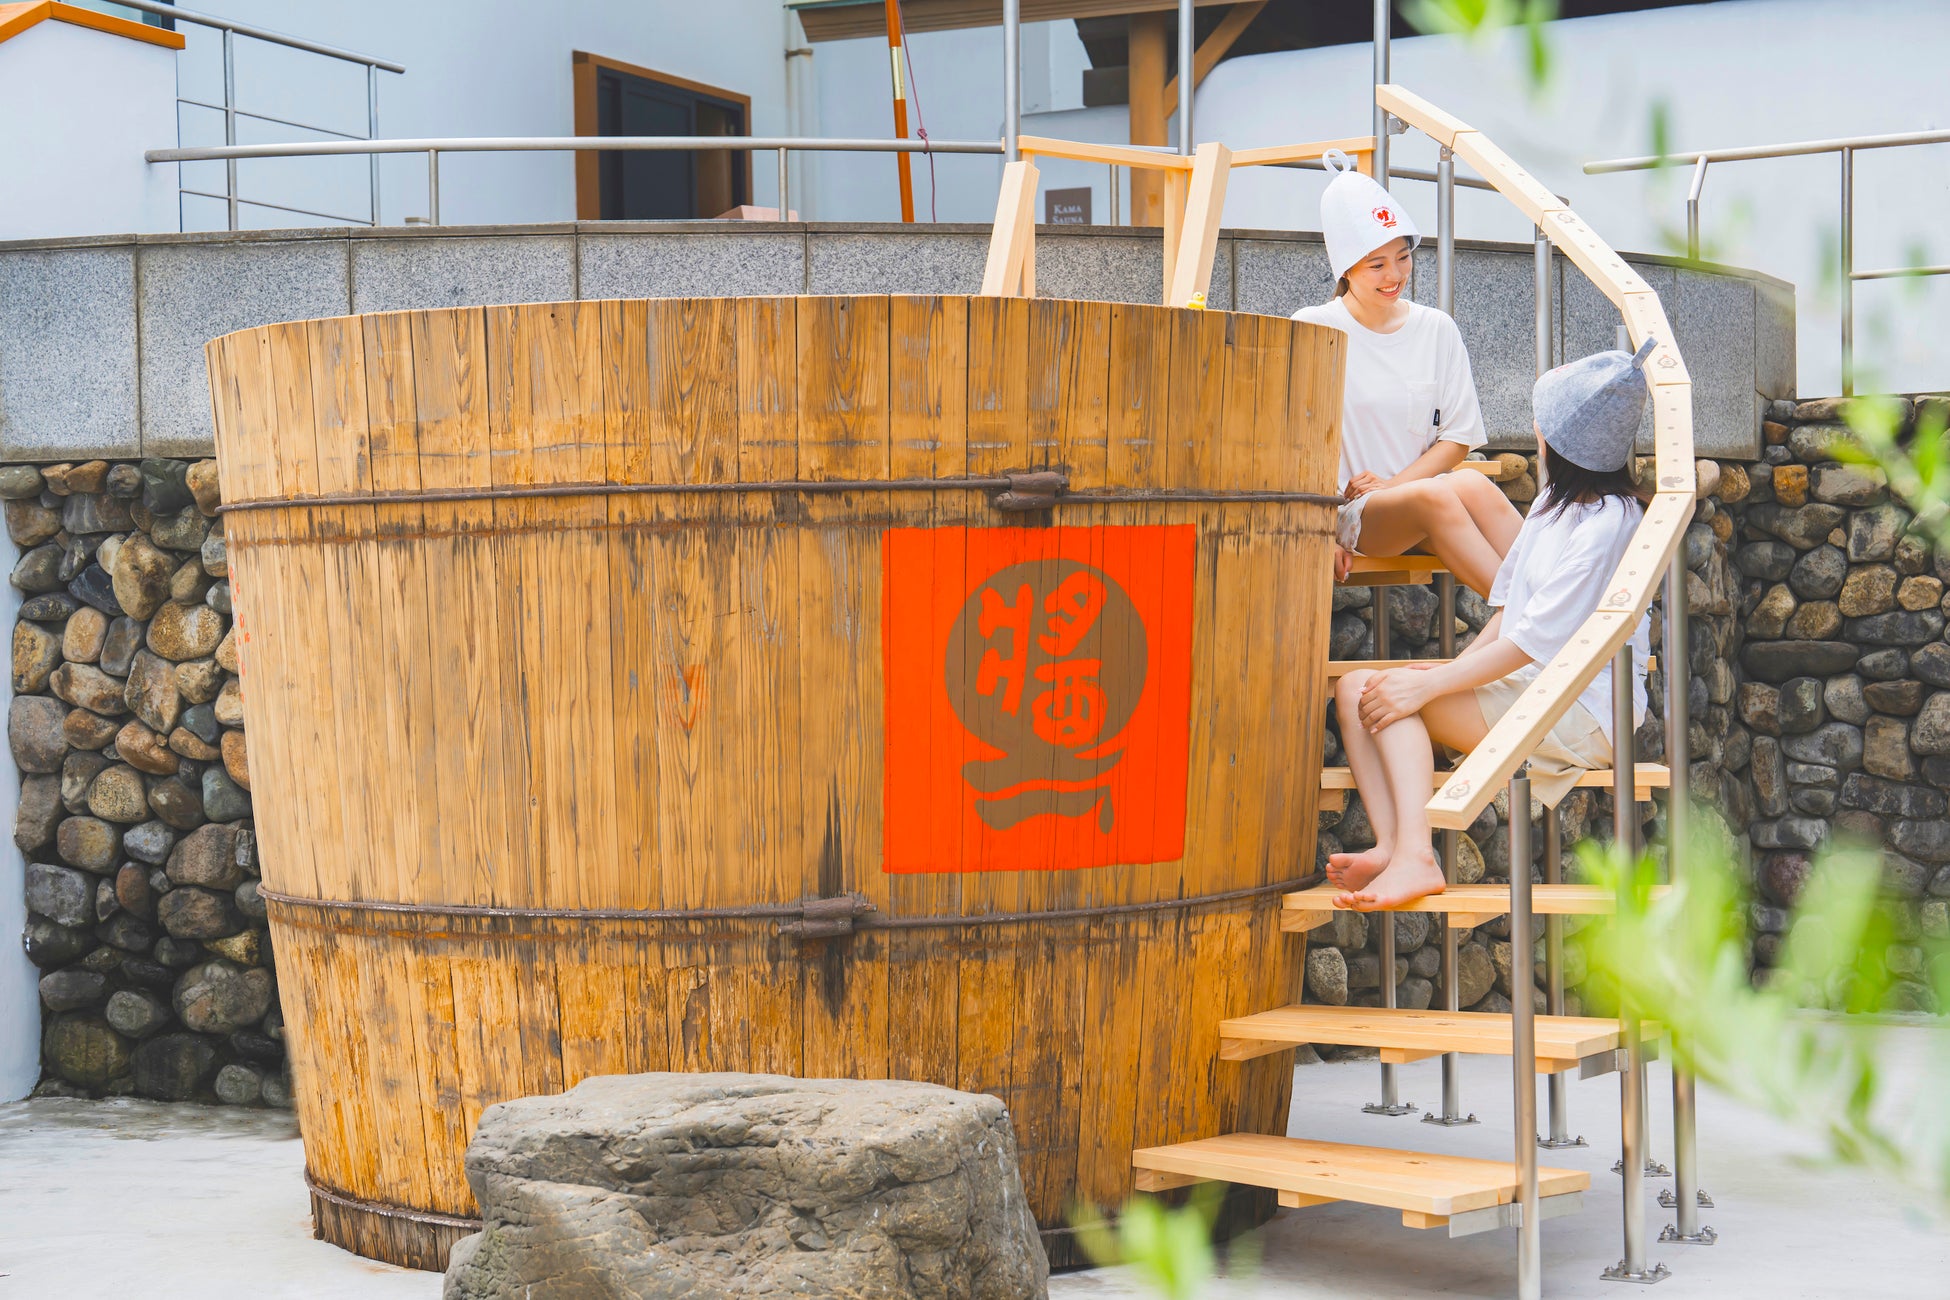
1699	160
434	147
232	29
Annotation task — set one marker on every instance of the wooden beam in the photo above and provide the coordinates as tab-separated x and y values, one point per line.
1177	191
1420	113
1632	584
1198	242
1353	145
1302	1201
1216	44
1012	242
1150	35
1041	146
1155	1180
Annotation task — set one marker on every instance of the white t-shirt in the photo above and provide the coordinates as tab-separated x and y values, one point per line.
1551	581
1405	391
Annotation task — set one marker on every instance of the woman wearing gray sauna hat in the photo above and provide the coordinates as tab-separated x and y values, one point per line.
1560	564
1409	413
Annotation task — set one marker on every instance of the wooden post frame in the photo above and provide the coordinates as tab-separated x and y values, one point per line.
1011	269
1191	274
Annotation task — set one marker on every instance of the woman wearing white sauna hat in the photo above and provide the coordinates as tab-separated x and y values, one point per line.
1410	413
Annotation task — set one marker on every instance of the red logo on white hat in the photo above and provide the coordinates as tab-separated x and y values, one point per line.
1386	216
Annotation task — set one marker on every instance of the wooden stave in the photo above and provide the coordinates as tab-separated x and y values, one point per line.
463	541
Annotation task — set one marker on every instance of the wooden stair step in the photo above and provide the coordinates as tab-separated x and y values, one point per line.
1466	906
1339	668
1335	782
1425	1187
1392	570
1404	1036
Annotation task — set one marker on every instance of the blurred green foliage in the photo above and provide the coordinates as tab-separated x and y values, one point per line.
1683	960
1481	20
1170	1249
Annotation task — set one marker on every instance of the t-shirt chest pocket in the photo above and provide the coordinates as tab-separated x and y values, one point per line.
1420	418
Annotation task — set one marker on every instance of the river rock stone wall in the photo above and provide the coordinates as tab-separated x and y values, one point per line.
135	812
1845	684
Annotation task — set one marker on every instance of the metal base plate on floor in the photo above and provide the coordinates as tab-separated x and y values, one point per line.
1617	1273
1653	1169
1704	1237
1449	1121
1560	1144
1378	1108
1671	1202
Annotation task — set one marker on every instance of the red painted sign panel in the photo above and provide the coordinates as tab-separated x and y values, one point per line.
1038	696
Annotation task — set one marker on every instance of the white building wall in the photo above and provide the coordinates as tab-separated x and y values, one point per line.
1734	73
1740	72
77	108
473	68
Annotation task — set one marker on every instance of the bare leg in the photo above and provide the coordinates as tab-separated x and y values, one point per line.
1409	762
1355	870
1428	513
1492	512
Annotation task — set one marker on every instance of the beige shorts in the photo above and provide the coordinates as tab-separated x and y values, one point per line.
1576	744
1347	523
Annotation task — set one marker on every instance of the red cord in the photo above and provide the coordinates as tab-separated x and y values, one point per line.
920	119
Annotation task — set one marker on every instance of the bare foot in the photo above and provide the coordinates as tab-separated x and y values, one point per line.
1413	874
1355	870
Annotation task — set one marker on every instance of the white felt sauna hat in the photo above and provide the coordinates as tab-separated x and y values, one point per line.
1357	216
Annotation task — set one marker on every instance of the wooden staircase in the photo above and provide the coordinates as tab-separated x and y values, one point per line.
1434	1190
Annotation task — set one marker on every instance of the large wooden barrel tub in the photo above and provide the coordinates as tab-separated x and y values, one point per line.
916	687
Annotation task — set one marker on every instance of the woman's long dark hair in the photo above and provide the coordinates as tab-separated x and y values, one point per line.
1567	482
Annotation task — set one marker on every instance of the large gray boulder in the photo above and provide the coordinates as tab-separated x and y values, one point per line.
655	1185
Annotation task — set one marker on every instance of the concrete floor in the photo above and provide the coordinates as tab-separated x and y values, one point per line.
130	1198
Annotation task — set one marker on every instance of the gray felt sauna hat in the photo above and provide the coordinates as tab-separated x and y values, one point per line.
1588	410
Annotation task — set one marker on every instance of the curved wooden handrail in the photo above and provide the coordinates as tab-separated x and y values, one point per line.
1479	776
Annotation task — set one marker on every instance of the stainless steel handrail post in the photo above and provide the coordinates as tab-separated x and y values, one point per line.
1692	207
1382	37
229	129
1848	272
372	133
1541	254
1451	1114
1187	56
1847	147
1686	1196
1011	79
1560	1107
1391	1102
1631	1079
1115	218
785	192
1445	589
433	187
1523	1046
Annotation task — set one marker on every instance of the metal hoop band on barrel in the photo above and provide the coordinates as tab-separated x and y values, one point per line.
415	1238
814	918
1030	490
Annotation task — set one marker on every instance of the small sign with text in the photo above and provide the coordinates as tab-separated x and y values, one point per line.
1067	207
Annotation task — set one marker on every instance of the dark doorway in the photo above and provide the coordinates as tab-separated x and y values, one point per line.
642	185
